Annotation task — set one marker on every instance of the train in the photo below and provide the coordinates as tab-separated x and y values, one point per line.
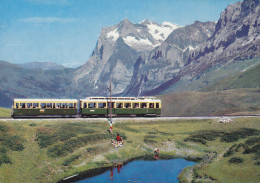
88	107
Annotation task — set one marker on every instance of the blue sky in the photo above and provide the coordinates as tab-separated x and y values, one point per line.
66	31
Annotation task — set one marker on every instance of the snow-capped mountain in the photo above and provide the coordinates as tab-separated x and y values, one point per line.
146	58
116	52
141	37
165	61
193	51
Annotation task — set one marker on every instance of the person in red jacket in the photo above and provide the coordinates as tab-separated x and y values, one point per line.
118	138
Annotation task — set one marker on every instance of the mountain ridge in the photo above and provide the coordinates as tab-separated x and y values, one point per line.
236	37
139	59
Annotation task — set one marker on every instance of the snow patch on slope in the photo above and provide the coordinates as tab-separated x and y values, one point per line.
131	41
160	33
114	34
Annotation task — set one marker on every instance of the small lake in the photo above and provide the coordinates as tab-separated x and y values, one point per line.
142	171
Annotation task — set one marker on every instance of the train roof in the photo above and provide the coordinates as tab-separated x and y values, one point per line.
25	100
146	99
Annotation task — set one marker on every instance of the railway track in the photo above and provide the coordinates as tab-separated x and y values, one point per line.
118	118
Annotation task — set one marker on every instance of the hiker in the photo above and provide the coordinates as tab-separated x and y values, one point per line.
111	126
156	151
118	138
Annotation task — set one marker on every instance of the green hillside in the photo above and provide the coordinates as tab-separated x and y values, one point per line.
4	112
226	102
49	150
219	73
248	78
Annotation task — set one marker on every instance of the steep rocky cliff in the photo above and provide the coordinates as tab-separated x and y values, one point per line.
236	37
115	54
165	62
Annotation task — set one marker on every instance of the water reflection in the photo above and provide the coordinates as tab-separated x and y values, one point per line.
142	171
118	166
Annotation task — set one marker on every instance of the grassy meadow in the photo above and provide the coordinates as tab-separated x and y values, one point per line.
225	102
5	112
50	150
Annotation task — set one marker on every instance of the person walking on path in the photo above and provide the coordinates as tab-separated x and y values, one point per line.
111	127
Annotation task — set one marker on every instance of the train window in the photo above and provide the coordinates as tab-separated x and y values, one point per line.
91	105
49	105
113	104
43	105
64	105
84	105
143	105
22	105
127	105
75	105
58	105
17	105
70	105
29	105
151	105
35	105
135	105
101	105
157	105
119	105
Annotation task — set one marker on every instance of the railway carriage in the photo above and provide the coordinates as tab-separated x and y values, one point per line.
121	106
45	108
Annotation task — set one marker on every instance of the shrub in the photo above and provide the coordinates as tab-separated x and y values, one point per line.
44	140
3	150
5	159
252	141
46	137
3	128
13	142
70	145
70	160
229	153
203	136
257	163
236	160
236	135
192	139
56	151
32	124
65	135
255	149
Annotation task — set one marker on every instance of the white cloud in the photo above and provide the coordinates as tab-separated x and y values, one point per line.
39	20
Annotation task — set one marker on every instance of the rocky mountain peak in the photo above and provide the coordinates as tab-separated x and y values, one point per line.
166	60
236	31
191	50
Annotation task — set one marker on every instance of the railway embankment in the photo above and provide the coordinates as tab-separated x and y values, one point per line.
50	150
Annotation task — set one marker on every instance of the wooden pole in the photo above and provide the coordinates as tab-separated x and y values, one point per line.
110	102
